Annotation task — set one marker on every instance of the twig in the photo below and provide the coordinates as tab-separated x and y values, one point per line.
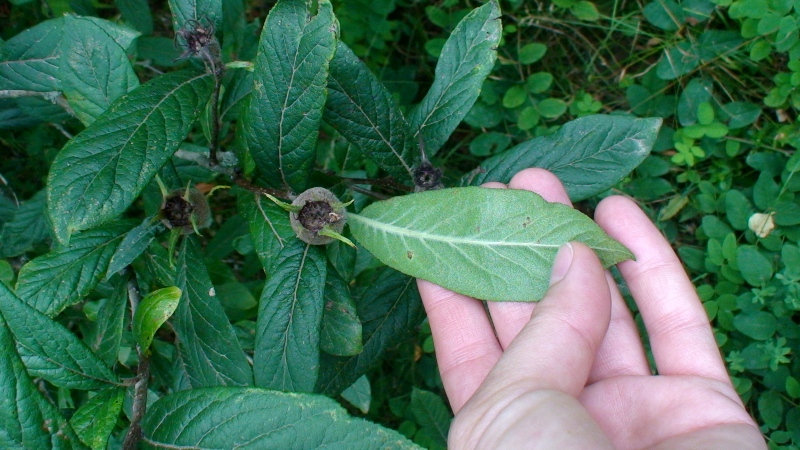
202	160
139	407
387	182
243	183
215	118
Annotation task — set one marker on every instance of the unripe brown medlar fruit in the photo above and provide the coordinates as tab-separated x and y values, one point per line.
180	207
318	208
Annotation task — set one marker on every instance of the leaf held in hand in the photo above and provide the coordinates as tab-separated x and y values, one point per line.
492	244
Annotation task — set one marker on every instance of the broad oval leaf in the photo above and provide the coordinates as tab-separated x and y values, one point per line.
95	70
252	418
62	277
154	309
588	155
51	351
269	227
27	419
285	108
133	244
290	312
26	228
209	349
29	61
102	170
390	309
364	112
466	59
491	244
341	329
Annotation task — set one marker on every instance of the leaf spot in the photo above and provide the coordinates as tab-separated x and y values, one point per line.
212	292
526	222
410	254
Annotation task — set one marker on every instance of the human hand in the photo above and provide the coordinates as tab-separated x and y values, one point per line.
570	371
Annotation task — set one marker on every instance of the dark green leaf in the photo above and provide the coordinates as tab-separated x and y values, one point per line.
94	421
154	309
390	309
714	44
204	12
589	154
738	209
51	351
466	59
222	244
758	325
359	394
665	14
741	114
269	227
530	53
26	228
105	335
756	269
133	244
677	61
342	257
451	236
95	70
290	312
697	91
27	420
99	173
341	330
432	414
285	107
30	60
364	112
209	348
259	419
787	213
61	278
770	407
137	13
765	191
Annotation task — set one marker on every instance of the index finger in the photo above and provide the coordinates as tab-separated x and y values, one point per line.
679	330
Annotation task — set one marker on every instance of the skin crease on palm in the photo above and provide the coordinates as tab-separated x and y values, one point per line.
570	372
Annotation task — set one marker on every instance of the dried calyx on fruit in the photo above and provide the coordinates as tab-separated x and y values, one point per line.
197	39
427	177
186	210
317	216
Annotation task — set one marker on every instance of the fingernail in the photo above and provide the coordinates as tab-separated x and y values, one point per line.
561	264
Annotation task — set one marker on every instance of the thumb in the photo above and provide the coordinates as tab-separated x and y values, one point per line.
556	348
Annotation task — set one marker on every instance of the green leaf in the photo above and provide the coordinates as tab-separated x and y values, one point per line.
289	316
539	82
390	309
765	191
467	58
585	10
105	336
99	173
27	419
154	309
202	11
787	213
285	108
451	236
62	277
589	155
759	325
29	61
26	228
489	143
551	108
678	61
515	96
737	209
530	53
341	330
741	114
208	345
697	91
94	70
359	394
432	414
756	269
49	350
665	14
257	419
770	407
133	244
269	227
137	14
364	112
94	421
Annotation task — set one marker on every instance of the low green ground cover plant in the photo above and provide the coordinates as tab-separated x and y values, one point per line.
152	274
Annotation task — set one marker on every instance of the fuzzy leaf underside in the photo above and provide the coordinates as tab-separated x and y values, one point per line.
102	170
588	155
491	244
253	418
